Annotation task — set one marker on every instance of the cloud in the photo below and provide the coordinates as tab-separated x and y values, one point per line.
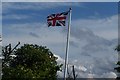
104	27
92	48
14	16
41	35
97	50
0	49
0	39
73	43
23	28
109	75
83	72
33	34
90	42
78	68
7	7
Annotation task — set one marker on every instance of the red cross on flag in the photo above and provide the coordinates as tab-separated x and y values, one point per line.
57	19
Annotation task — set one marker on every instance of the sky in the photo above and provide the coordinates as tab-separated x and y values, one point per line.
93	37
60	0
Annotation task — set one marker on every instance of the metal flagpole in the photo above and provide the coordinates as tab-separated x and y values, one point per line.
67	45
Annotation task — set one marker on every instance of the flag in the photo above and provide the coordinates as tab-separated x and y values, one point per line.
57	19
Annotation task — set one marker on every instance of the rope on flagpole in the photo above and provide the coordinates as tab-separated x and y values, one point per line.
67	45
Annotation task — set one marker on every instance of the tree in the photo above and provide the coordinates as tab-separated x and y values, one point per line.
118	63
30	62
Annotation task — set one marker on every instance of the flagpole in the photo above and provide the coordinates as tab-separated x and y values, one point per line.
67	45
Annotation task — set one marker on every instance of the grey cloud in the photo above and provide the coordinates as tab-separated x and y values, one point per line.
95	43
109	75
98	52
99	68
102	65
73	44
87	34
93	48
34	35
0	49
105	27
81	33
85	54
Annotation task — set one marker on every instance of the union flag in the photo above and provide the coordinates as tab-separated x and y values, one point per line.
57	19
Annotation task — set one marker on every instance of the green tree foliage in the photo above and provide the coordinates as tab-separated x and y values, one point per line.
30	62
118	63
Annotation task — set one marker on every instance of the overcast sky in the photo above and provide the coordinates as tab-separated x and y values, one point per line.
94	33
